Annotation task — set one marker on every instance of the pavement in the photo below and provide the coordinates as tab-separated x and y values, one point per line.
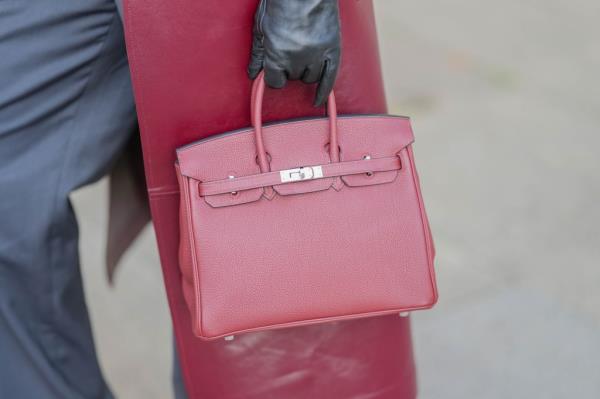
505	103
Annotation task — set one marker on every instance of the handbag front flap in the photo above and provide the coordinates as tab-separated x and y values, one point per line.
295	144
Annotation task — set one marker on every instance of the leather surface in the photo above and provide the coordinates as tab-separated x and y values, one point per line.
188	61
312	257
369	168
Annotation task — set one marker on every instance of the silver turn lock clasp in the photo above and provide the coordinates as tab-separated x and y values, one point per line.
299	174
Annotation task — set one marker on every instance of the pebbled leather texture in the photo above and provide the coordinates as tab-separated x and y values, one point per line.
183	95
317	255
297	39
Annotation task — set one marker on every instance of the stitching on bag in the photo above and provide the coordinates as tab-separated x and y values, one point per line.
191	241
306	322
424	223
239	133
246	178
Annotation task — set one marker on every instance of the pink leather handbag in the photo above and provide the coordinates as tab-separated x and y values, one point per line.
302	222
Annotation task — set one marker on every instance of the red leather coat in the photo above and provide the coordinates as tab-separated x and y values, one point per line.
188	60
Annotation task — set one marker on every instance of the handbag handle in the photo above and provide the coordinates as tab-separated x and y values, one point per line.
258	90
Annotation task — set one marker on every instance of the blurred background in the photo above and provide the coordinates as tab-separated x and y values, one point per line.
505	102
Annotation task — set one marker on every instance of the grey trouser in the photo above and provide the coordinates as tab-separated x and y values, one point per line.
66	111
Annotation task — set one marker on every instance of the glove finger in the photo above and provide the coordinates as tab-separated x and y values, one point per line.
311	74
257	57
275	77
327	81
295	73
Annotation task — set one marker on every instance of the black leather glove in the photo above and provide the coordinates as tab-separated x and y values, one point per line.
297	39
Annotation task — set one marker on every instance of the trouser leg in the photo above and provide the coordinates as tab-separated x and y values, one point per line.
66	110
177	377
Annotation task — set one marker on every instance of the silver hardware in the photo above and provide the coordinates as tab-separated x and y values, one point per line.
232	177
404	314
303	173
229	338
366	158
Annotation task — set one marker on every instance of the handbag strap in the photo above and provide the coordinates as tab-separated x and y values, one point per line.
268	179
256	101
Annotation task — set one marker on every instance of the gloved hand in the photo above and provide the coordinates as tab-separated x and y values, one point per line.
297	39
